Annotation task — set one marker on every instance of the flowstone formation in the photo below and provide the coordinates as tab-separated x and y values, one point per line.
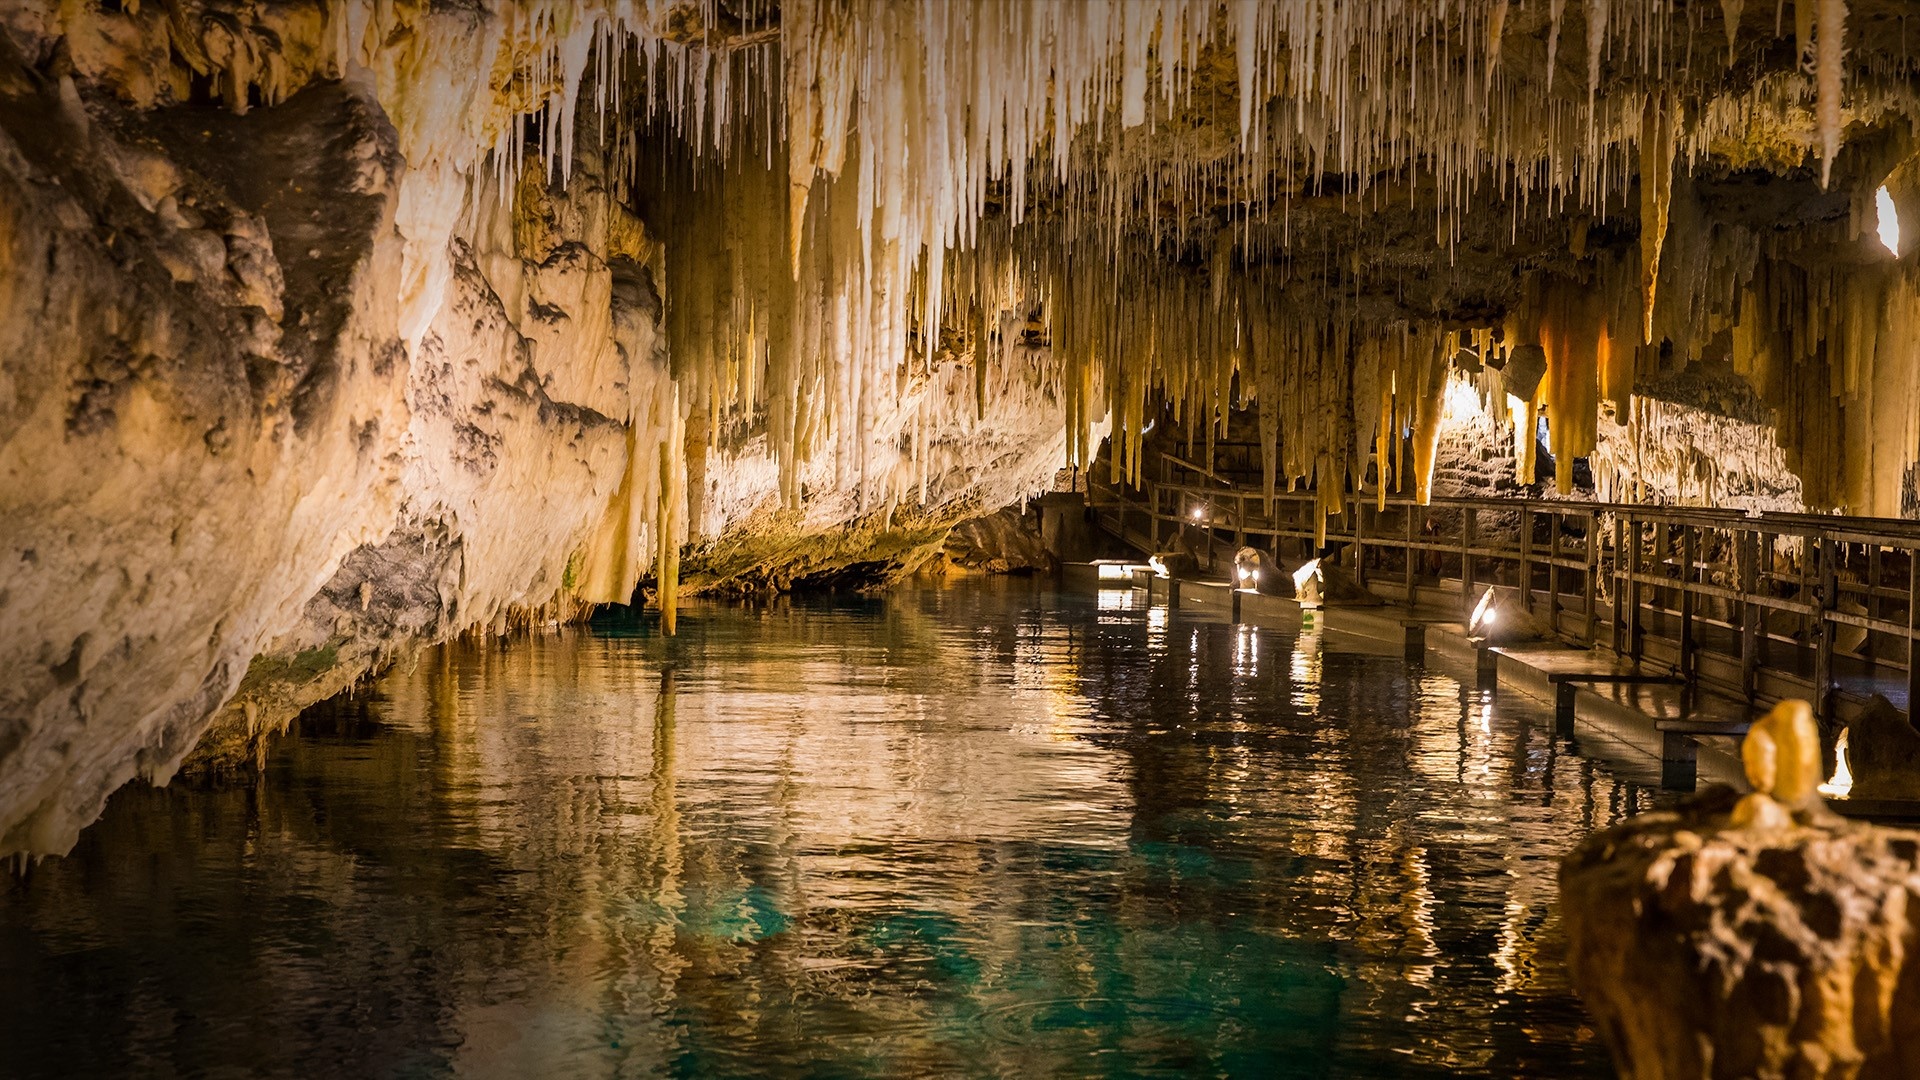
331	327
1751	936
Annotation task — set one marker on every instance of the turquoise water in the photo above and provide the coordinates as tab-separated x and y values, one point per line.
985	830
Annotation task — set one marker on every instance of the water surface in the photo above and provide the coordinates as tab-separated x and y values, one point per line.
985	830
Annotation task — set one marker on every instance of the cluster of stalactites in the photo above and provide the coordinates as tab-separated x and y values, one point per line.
854	198
938	112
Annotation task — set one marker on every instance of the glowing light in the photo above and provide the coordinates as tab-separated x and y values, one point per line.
1120	571
1245	573
1842	783
1306	584
1158	567
1462	401
1198	513
1484	614
1306	573
1888	223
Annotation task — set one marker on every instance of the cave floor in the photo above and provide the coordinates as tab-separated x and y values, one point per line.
979	829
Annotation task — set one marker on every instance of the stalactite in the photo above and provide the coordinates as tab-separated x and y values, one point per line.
1656	195
851	194
1830	57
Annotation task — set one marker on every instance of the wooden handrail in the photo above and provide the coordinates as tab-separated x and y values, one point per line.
1683	578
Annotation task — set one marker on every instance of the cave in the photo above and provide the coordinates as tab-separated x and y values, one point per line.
959	537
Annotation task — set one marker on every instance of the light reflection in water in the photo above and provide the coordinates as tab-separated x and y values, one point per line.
972	831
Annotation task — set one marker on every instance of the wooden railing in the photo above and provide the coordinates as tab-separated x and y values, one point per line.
1761	606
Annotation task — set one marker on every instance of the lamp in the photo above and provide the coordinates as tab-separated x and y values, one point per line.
1485	614
1306	584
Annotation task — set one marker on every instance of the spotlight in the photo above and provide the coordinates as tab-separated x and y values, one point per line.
1484	615
1198	513
1159	568
1306	584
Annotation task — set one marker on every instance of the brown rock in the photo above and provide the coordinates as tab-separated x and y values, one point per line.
1883	750
1709	951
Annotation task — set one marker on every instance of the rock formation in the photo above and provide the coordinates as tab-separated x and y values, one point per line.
1883	753
329	327
1751	936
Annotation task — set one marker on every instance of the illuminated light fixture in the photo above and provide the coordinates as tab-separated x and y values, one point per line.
1245	573
1888	223
1198	513
1842	783
1484	614
1306	584
1159	568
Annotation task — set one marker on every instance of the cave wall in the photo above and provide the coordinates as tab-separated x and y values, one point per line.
294	384
328	327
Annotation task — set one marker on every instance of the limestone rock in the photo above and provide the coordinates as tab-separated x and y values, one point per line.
998	543
1883	750
1704	950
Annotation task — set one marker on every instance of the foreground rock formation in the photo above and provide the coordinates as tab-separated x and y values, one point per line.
331	327
1750	937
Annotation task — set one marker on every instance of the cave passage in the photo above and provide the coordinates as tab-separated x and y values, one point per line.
975	829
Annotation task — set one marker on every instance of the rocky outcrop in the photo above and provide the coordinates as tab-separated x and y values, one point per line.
306	359
1750	936
1883	752
1006	542
1706	951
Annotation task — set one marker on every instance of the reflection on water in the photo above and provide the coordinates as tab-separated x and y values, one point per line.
984	830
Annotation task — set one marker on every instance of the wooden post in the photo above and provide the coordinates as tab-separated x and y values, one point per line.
1413	563
1469	519
1873	591
1751	613
1631	624
1689	552
1553	574
1823	634
1663	558
1619	582
1526	559
1153	518
1913	629
1360	543
1593	576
